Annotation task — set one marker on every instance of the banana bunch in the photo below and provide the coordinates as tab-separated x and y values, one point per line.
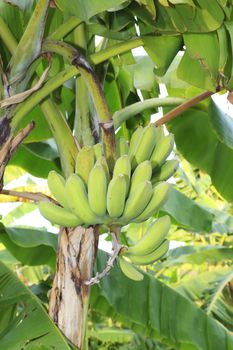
152	246
132	193
151	144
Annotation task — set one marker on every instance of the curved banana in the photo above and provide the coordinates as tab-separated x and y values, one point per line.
145	146
142	173
154	236
58	215
147	259
162	150
159	197
103	162
97	190
116	194
134	141
123	166
98	150
130	271
56	184
84	162
167	170
137	201
78	200
122	147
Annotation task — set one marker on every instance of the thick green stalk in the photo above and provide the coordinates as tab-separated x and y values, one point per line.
65	28
95	90
62	135
7	37
82	121
68	74
124	114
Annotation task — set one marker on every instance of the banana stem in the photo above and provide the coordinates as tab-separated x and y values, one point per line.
7	37
67	74
96	92
124	114
82	122
65	28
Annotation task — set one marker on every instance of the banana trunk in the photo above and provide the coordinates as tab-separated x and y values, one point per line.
69	297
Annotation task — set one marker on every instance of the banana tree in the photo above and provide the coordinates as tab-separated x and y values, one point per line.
58	83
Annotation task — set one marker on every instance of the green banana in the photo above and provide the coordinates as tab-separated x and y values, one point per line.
56	184
161	151
159	197
137	201
84	162
167	170
78	200
122	147
58	215
154	236
123	166
116	194
142	173
134	141
129	270
103	162
145	146
97	190
151	257
98	150
159	133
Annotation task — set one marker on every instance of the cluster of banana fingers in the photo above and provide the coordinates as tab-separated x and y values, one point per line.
134	191
152	246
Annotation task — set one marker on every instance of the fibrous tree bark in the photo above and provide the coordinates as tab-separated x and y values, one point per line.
69	295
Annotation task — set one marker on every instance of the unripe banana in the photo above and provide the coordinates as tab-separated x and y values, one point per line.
78	200
56	184
137	201
154	236
159	197
134	141
142	173
159	133
122	147
102	161
84	162
151	257
145	146
58	215
167	170
97	190
162	150
129	270
98	150
123	166
116	195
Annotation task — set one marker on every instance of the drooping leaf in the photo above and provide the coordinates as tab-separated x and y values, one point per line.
30	246
24	322
33	164
187	212
158	311
86	9
197	142
166	49
221	120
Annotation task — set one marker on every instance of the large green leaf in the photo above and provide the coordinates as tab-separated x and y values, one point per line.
88	8
152	308
24	323
30	246
198	143
32	163
162	50
220	118
187	212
